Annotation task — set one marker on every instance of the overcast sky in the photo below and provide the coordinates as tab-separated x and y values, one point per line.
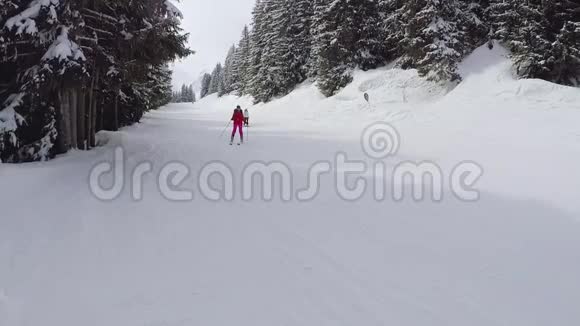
213	27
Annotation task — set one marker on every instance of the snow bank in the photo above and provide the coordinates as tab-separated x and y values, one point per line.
389	90
489	72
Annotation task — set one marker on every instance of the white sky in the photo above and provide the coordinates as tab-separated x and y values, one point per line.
213	27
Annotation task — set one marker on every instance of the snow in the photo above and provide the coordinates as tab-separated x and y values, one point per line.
113	71
9	119
64	49
510	258
127	35
25	20
173	11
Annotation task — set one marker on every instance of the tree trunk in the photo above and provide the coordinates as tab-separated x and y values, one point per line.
116	113
73	103
95	100
90	116
61	124
65	113
101	108
82	119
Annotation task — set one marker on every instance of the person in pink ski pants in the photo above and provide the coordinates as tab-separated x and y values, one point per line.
238	119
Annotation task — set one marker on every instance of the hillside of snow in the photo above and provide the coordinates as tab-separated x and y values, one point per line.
524	132
510	258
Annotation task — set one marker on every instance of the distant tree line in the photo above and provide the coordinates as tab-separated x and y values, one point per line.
185	95
293	40
71	68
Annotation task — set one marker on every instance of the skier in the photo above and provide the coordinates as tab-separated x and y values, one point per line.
238	119
246	118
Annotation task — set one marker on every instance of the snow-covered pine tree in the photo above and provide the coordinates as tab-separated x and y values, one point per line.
566	49
38	53
318	36
561	20
261	39
299	39
439	34
367	35
504	19
240	71
286	35
71	68
474	23
205	83
391	12
184	95
228	72
543	38
216	83
522	28
329	60
347	35
275	77
151	36
542	35
161	85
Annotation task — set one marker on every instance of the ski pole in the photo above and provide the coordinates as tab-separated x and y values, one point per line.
226	128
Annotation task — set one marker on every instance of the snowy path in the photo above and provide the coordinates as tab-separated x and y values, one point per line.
68	259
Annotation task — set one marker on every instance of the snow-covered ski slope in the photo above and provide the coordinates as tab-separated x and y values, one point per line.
511	258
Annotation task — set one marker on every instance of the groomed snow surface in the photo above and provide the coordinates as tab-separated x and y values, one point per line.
511	258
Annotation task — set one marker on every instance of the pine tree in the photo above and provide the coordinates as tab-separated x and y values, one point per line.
567	47
521	27
474	22
240	70
347	35
393	27
185	95
72	68
542	35
298	43
32	34
205	85
216	84
228	72
259	39
274	77
160	83
286	38
439	34
183	92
